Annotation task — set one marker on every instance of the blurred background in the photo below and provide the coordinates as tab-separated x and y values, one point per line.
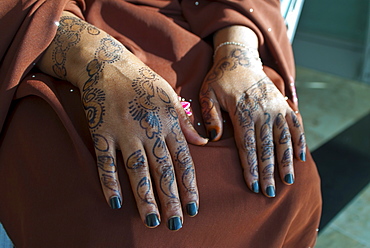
331	42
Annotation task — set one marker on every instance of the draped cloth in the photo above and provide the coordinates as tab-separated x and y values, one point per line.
50	194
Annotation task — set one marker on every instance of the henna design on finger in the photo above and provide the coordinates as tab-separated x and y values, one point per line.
285	136
110	182
287	158
302	141
143	190
250	147
136	160
100	142
167	180
295	119
266	139
106	164
188	180
268	172
280	121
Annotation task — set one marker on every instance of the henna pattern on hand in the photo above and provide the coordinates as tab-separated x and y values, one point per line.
110	182
287	158
295	120
106	164
143	190
250	147
266	138
136	160
285	136
268	172
68	35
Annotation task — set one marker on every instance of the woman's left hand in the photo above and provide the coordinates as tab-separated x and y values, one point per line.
266	129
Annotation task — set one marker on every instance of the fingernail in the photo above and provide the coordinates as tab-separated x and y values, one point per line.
174	223
303	156
115	202
212	134
289	179
192	209
270	191
152	220
255	187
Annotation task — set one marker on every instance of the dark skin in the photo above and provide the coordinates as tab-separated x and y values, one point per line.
131	108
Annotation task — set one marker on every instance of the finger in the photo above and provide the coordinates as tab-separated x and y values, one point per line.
106	162
284	149
211	114
141	184
298	136
192	136
185	172
163	175
246	142
265	149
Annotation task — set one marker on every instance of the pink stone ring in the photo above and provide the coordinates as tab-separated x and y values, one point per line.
186	106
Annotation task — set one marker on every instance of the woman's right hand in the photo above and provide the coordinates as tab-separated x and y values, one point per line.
130	108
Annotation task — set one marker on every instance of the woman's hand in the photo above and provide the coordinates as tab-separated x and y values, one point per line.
266	129
130	108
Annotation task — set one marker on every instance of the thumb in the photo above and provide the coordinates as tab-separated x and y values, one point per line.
211	114
191	135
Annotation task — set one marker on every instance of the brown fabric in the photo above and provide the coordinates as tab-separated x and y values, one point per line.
49	189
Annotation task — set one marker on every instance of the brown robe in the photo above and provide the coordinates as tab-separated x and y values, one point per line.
50	194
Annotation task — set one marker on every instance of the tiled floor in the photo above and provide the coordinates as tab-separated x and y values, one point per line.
329	106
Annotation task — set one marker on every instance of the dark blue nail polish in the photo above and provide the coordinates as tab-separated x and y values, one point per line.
289	179
192	209
174	223
303	156
270	191
255	187
152	220
212	134
115	202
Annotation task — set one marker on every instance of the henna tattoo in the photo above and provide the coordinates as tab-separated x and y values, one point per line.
250	147
280	121
109	182
268	172
295	120
68	35
167	181
237	57
100	142
136	160
143	190
254	97
287	158
106	164
267	141
188	180
284	136
302	141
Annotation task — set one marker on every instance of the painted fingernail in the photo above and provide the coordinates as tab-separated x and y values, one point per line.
212	134
270	191
255	187
303	156
115	202
152	220
174	223
192	209
289	179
